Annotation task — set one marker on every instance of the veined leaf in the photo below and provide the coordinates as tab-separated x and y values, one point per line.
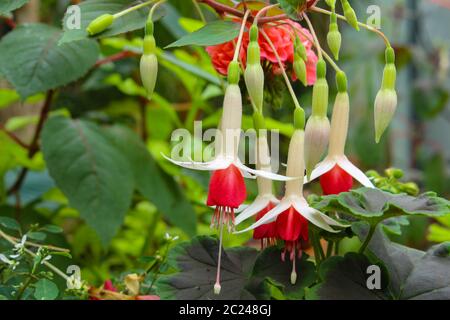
6	6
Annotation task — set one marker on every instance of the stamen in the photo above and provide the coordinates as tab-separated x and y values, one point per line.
217	286
294	273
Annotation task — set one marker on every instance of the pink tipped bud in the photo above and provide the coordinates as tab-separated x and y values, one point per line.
317	134
385	106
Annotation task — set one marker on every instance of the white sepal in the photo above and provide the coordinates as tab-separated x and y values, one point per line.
352	170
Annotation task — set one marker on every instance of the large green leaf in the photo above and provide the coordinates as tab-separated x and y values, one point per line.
345	278
413	274
92	9
211	34
196	262
155	184
32	61
293	8
269	265
95	176
6	6
375	205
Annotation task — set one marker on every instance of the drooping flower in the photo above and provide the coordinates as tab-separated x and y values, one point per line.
265	201
281	36
227	188
336	171
293	212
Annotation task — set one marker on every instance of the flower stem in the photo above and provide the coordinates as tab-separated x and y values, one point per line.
263	11
363	25
283	71
241	35
134	8
31	253
313	32
153	9
199	11
217	286
368	238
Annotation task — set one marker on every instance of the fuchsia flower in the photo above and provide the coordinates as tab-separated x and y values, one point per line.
336	171
292	214
283	39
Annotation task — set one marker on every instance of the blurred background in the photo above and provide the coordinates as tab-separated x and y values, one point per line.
189	89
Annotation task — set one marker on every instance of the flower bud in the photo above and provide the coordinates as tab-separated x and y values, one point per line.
100	24
231	120
334	38
386	99
317	134
295	163
299	49
300	69
254	80
350	14
339	124
149	72
320	92
385	106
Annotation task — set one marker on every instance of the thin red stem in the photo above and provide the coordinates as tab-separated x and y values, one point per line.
116	57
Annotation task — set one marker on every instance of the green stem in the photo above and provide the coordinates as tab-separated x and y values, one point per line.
318	252
241	34
31	253
368	238
131	9
329	248
153	9
363	25
313	32
283	71
199	11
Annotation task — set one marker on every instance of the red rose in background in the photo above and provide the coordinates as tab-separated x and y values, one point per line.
282	36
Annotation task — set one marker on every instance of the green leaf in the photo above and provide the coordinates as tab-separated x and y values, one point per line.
414	274
90	171
213	33
293	8
345	278
52	228
6	6
45	290
9	223
153	183
32	61
375	205
197	264
92	9
269	265
39	236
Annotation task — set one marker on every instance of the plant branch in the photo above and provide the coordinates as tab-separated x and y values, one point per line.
363	25
313	32
14	137
116	57
31	253
368	238
34	146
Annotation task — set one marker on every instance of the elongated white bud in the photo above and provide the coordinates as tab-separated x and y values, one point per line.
339	124
296	163
317	133
231	120
386	99
254	80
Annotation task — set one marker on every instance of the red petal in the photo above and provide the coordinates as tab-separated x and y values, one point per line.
336	181
108	285
265	230
227	188
291	226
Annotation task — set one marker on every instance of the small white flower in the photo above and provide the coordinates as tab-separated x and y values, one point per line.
18	247
4	259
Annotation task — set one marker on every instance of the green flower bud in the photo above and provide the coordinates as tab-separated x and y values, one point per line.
100	24
341	81
254	33
299	118
385	106
334	39
300	69
253	53
320	92
149	44
394	173
317	134
149	72
234	72
411	188
350	14
299	48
